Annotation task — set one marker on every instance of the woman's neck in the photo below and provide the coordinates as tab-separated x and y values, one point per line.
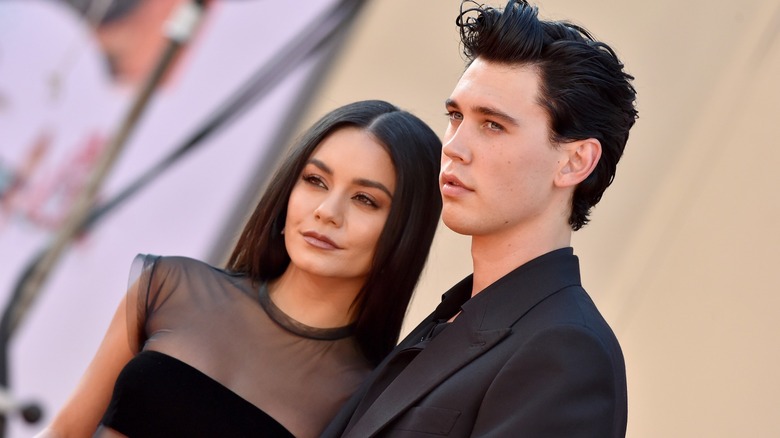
315	301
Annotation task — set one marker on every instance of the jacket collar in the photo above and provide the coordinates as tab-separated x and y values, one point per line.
502	303
485	320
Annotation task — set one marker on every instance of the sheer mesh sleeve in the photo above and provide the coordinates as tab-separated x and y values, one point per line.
138	292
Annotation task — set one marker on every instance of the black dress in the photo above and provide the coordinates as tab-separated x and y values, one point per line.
219	359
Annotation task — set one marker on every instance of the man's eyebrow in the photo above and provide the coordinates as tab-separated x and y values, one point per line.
359	181
486	111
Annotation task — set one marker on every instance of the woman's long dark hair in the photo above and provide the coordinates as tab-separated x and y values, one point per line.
403	245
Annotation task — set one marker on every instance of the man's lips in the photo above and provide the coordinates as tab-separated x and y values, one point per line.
319	240
451	185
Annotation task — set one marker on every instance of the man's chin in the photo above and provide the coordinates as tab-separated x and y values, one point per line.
458	224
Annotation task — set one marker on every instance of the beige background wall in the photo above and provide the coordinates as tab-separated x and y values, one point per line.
681	255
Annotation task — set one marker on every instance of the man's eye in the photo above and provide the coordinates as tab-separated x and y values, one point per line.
495	126
454	115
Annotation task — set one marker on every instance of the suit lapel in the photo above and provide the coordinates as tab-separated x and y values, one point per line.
486	319
455	347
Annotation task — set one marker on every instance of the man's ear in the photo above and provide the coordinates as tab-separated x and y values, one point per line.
580	158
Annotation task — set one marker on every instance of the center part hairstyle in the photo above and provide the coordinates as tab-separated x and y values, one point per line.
583	87
403	245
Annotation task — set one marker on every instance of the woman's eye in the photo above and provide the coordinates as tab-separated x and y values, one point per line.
314	180
364	199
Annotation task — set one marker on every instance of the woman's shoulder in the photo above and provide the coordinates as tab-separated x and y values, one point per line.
168	280
163	275
174	265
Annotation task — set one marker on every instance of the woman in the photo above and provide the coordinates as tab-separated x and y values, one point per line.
312	298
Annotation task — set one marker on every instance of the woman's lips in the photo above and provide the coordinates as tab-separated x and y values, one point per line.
319	240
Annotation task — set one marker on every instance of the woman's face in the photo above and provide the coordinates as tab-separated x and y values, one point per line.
339	206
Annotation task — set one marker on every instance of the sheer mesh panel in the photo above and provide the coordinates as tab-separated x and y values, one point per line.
228	329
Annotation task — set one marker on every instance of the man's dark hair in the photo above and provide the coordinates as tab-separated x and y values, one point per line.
583	86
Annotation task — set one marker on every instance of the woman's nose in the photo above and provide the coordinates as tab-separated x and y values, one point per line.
330	210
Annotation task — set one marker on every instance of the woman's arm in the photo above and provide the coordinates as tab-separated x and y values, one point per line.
81	413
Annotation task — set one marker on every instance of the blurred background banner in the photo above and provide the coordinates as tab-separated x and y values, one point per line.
69	70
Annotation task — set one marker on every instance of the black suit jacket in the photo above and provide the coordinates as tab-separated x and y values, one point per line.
529	356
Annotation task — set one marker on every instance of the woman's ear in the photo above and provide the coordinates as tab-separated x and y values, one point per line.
581	157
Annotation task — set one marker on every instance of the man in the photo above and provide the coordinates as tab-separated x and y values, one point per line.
538	122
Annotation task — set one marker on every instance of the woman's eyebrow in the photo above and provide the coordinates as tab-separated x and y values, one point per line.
359	181
371	183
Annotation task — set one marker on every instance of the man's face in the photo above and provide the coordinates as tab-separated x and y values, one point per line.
498	164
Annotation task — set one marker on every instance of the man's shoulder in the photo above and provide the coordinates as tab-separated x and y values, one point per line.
568	310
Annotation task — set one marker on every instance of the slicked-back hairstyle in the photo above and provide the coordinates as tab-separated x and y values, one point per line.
583	86
404	243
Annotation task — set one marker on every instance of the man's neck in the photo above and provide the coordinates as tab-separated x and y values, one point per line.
496	255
